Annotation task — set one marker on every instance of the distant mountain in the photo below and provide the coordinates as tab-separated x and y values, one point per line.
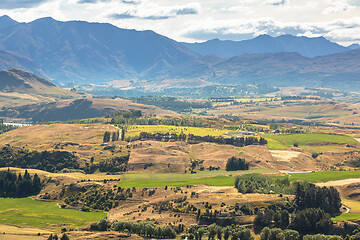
308	47
339	71
14	60
83	52
354	46
20	81
6	21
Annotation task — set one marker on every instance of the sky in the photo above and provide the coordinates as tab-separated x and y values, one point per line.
198	21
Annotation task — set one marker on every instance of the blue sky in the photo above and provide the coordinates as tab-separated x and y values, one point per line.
183	20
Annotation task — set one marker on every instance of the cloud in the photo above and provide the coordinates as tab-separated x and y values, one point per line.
338	7
13	4
131	1
156	12
338	30
276	2
91	1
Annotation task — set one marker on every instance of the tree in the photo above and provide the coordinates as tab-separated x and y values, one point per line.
64	237
234	164
106	137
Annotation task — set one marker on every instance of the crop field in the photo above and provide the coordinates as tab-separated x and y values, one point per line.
277	142
135	130
28	212
211	178
324	176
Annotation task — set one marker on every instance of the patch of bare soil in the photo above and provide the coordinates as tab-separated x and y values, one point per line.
284	155
339	182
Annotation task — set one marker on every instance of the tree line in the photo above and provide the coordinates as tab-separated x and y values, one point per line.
191	138
146	229
13	185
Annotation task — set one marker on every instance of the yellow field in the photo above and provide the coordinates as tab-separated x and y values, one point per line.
135	130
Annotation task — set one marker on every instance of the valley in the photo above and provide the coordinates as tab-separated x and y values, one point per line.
116	133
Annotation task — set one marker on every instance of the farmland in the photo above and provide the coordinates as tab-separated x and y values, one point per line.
135	130
28	212
324	176
285	141
211	178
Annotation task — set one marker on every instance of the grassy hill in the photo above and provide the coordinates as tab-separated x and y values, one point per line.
18	80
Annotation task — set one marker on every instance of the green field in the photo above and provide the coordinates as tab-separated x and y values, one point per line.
284	141
324	176
347	217
28	212
157	180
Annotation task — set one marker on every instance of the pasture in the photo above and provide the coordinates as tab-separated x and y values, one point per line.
323	176
284	141
28	212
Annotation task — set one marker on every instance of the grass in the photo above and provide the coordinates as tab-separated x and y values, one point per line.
347	217
353	205
211	181
28	212
157	180
324	176
284	141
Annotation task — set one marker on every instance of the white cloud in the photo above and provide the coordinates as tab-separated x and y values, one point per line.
186	20
338	6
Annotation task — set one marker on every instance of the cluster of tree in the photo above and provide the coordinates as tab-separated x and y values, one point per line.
47	161
310	196
184	122
311	220
214	231
112	136
234	164
111	165
279	234
13	185
254	183
115	164
98	198
171	103
5	128
55	237
146	229
125	114
191	138
273	218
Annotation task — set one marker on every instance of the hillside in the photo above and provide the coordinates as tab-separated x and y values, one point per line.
71	109
18	80
10	60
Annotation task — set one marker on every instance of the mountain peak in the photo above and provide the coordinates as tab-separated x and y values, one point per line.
6	21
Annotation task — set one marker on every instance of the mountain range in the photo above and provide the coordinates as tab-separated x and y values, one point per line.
83	53
308	47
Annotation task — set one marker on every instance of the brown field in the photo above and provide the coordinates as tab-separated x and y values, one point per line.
317	110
